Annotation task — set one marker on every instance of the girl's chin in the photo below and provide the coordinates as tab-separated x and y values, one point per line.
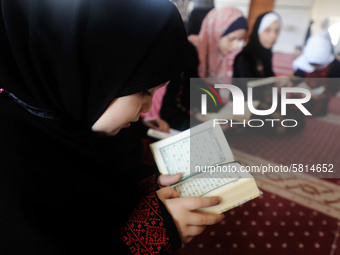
116	131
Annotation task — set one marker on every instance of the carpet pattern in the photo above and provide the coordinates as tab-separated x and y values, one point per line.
269	225
294	216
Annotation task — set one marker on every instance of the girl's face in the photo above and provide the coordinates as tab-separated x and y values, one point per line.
269	36
124	110
232	41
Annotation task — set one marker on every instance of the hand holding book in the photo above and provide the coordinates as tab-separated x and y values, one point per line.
166	180
195	153
189	222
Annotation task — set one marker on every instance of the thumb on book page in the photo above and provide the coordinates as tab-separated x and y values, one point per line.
166	180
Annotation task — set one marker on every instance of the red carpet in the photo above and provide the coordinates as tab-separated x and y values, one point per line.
282	64
293	216
269	225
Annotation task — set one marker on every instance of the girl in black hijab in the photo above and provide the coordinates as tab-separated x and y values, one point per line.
255	60
73	74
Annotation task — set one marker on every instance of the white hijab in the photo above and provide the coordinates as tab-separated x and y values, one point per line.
267	20
317	51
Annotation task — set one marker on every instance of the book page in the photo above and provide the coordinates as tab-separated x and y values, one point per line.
204	183
203	145
204	157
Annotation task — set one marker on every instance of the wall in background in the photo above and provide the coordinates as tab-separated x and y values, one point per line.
295	20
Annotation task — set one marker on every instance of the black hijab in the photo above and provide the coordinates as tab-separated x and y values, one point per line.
62	62
252	53
74	57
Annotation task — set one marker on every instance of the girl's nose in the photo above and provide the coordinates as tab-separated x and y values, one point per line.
147	104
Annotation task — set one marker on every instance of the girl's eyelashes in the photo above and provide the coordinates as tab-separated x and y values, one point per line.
146	93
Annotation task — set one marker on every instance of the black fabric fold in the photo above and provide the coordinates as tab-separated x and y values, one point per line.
65	189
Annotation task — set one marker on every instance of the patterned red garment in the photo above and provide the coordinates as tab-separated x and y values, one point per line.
145	231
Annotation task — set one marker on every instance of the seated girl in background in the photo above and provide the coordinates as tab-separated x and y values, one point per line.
73	75
222	31
255	60
318	61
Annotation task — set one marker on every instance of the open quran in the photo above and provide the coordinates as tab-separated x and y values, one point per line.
203	156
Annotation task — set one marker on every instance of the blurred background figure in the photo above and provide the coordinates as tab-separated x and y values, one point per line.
222	32
318	61
255	60
200	10
325	33
309	31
